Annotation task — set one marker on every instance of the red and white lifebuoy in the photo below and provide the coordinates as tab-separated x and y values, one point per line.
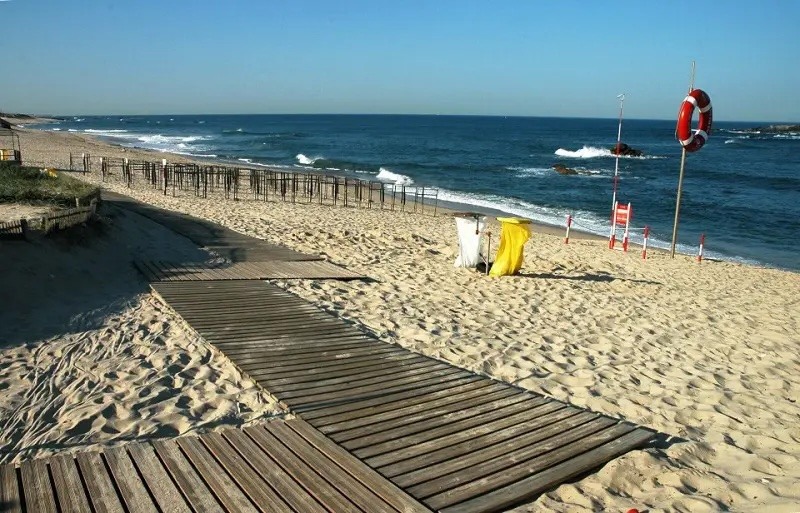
694	141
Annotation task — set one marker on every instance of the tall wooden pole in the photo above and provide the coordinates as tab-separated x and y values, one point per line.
680	183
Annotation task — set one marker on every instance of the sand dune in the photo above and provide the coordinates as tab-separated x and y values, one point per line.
89	356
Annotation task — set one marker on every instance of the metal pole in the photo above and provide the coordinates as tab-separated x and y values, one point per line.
680	184
616	151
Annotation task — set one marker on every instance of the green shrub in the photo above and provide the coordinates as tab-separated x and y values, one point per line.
29	184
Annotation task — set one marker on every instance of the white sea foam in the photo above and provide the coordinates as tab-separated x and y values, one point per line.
246	160
525	172
386	175
71	130
56	129
103	132
587	152
730	141
307	161
590	152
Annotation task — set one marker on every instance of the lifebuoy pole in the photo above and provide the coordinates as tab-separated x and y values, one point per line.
700	251
644	243
569	224
616	162
680	183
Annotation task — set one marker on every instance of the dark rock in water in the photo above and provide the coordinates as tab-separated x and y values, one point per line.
624	149
564	170
776	129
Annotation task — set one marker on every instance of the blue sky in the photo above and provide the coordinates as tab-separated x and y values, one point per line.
527	57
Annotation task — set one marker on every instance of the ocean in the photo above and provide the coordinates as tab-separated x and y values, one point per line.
742	189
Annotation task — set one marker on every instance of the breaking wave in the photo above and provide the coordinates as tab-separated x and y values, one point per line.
385	175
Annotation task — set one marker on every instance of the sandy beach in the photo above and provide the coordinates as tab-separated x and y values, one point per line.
706	354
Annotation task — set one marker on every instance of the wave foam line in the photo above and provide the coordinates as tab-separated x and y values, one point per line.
306	161
386	175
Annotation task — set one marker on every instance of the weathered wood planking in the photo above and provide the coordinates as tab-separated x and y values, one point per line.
448	437
279	465
156	271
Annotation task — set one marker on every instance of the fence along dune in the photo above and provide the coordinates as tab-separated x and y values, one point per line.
233	182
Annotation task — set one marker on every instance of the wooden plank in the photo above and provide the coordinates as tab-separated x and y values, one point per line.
293	347
299	321
186	478
290	490
167	496
67	482
305	403
352	377
324	353
538	483
387	490
10	499
39	495
419	416
250	482
296	344
299	324
435	479
226	491
469	427
454	400
400	432
351	488
99	483
220	313
323	492
130	485
319	414
493	444
354	347
396	385
394	405
323	367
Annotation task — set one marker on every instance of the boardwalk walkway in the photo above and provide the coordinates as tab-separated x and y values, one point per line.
277	466
451	439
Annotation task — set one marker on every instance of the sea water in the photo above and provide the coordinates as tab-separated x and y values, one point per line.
742	189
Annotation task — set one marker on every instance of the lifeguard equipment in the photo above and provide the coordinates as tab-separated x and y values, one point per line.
470	227
645	235
700	251
569	225
693	142
621	217
514	233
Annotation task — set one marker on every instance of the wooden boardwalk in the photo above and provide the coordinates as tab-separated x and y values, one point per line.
454	440
277	466
451	439
156	271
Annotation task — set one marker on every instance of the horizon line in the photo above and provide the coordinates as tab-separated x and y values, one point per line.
56	116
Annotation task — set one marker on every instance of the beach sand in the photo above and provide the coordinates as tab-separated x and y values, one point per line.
706	354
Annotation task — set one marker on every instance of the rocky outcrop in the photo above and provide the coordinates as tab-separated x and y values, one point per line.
624	149
776	129
564	170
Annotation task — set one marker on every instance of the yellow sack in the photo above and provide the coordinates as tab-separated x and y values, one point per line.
514	233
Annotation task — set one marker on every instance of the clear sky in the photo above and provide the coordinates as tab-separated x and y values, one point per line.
504	57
